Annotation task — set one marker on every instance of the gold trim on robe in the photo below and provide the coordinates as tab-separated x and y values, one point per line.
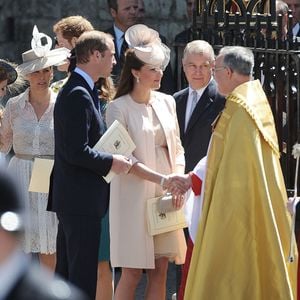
242	245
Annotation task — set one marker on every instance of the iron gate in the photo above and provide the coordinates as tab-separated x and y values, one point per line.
254	24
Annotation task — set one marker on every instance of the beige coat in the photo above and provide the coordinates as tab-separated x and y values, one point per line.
131	246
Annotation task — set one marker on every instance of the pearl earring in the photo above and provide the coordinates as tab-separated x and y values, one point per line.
137	80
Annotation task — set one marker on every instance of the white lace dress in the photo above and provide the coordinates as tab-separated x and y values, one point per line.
30	137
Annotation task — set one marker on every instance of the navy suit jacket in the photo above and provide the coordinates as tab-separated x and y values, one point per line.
167	82
77	186
196	138
116	72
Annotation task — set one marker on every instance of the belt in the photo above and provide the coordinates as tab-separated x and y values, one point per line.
32	157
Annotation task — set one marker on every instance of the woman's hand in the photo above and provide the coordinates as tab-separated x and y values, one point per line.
178	200
177	184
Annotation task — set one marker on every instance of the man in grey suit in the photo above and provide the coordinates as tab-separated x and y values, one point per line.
197	107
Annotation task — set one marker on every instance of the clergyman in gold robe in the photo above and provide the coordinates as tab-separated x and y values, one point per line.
242	245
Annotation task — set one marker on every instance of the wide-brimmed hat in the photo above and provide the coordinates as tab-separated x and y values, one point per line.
147	45
40	56
10	71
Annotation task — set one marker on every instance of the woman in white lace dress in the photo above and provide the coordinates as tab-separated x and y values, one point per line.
27	127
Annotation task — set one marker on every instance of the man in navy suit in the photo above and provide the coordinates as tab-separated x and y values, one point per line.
125	13
78	193
197	105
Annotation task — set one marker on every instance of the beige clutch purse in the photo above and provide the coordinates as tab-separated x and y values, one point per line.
160	219
165	203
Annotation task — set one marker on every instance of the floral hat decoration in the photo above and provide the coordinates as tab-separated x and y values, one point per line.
40	56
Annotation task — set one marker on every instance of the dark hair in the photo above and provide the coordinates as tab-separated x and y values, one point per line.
126	82
88	42
113	4
3	74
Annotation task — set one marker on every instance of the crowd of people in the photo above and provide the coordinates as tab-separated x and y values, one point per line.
212	145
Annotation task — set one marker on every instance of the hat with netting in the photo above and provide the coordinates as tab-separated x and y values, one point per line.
147	45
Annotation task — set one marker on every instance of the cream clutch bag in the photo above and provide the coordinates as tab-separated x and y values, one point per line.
165	203
162	217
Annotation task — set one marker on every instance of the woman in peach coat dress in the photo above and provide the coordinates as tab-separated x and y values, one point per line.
150	119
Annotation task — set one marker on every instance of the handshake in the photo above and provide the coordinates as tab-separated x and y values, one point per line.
177	185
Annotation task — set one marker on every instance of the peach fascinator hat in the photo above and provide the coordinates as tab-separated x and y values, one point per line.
147	45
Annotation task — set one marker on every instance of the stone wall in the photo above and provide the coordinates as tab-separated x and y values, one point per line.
17	18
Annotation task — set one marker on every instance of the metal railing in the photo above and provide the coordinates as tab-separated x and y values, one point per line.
277	59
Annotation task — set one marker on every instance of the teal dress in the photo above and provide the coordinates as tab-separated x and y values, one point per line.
104	251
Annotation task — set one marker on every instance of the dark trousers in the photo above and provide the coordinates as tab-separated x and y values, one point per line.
77	248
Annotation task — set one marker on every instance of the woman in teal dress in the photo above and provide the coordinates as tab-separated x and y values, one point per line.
105	281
